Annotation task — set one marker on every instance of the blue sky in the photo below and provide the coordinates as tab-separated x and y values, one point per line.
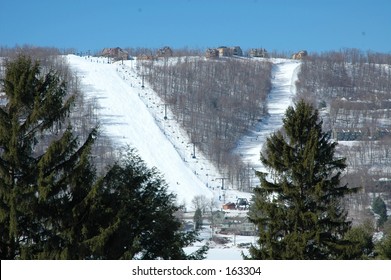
281	25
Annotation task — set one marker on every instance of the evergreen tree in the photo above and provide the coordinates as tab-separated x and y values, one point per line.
137	216
198	219
379	207
298	207
361	239
41	193
383	248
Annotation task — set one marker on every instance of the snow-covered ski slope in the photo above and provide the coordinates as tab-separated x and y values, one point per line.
128	121
284	76
134	115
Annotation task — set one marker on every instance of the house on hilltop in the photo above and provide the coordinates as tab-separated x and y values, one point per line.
300	54
164	52
236	51
211	53
115	53
229	51
257	52
223	51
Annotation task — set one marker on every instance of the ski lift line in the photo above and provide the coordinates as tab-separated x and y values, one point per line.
176	137
181	152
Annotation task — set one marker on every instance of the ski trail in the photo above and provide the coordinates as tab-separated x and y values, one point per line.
132	115
284	76
127	120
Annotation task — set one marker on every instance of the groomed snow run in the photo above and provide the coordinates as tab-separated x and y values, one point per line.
126	119
134	115
284	76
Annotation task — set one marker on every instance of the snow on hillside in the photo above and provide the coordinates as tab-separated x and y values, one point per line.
134	115
284	76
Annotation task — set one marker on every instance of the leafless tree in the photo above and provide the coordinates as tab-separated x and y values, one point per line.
215	100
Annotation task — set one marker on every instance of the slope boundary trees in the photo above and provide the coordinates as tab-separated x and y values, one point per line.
216	101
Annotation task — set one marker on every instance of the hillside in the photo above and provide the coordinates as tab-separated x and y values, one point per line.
353	91
126	119
283	89
139	106
131	113
216	101
202	122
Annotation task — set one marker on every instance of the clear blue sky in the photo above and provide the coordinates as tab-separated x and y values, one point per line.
282	25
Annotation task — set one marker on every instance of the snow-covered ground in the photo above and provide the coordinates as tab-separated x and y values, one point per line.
284	76
134	115
126	119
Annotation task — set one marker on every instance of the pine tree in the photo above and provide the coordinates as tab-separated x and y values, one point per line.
42	189
383	248
298	207
198	219
137	216
361	239
379	207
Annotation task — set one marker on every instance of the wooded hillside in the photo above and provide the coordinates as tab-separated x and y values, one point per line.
353	91
216	101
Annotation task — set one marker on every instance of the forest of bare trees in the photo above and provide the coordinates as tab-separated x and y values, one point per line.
354	86
353	91
216	101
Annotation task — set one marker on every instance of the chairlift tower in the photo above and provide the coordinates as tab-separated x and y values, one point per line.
165	111
222	186
142	80
194	154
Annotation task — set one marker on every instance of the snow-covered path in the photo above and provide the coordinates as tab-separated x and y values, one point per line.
284	76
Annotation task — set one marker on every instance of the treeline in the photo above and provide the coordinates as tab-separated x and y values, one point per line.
137	51
38	52
216	101
354	86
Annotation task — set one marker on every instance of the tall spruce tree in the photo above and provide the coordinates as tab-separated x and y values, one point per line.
298	207
379	207
40	192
